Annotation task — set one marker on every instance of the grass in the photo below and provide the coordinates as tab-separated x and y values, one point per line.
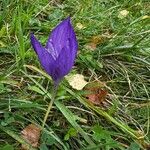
121	61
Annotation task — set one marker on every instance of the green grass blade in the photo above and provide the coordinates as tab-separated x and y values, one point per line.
20	38
72	120
125	128
66	112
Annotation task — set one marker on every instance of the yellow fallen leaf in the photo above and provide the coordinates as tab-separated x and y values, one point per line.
77	81
94	41
2	44
123	14
145	17
91	46
80	26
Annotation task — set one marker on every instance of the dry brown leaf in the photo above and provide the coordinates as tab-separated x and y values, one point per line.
97	97
96	93
31	134
95	40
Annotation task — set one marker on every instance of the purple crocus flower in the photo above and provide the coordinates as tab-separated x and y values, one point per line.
57	57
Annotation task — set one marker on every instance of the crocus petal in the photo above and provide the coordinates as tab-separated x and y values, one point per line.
73	43
63	64
46	60
64	48
59	36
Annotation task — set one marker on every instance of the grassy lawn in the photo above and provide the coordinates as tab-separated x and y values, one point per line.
114	52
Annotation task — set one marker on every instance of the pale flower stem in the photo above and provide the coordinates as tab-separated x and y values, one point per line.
50	103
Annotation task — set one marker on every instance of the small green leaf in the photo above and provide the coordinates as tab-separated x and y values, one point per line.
3	123
7	147
100	134
134	146
104	137
43	147
47	139
71	133
7	119
10	120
